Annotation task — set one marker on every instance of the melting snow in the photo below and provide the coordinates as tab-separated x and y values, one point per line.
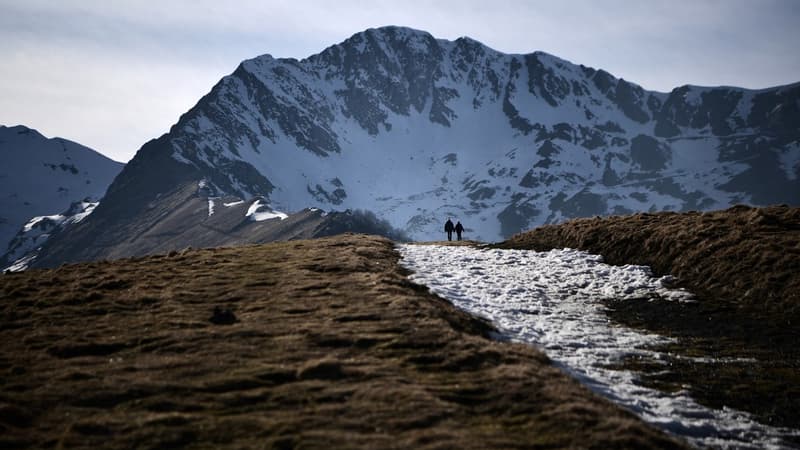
254	214
553	300
86	208
21	264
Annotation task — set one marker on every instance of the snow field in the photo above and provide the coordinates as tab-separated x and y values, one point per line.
554	300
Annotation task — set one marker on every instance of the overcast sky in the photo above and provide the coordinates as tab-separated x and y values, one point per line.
112	74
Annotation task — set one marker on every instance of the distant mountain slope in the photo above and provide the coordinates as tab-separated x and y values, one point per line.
41	176
24	247
416	129
191	216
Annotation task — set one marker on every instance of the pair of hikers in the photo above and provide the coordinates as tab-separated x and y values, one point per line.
449	228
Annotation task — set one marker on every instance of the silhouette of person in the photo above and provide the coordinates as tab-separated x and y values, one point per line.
459	229
448	228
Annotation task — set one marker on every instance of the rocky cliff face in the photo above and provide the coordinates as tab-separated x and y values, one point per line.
416	129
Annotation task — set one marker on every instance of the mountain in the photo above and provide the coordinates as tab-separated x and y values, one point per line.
417	129
24	248
41	177
191	218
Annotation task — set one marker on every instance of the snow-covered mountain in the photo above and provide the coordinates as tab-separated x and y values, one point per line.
24	247
417	129
45	177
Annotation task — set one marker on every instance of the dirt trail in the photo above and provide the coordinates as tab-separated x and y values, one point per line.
313	344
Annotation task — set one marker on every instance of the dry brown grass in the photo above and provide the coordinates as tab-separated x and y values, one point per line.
331	347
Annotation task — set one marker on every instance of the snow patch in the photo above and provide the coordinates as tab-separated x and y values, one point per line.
36	220
553	300
21	264
177	156
790	161
254	214
85	209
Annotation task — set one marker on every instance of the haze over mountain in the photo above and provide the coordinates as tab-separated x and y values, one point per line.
44	177
417	129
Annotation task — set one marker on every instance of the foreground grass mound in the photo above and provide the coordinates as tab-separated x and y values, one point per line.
305	344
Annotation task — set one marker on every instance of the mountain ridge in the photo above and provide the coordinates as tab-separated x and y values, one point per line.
416	128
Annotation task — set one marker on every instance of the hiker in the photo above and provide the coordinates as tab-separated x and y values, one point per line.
459	230
448	228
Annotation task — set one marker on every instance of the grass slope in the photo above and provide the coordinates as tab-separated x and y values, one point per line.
314	344
745	257
744	265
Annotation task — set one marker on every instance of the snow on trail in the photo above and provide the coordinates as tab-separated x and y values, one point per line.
553	300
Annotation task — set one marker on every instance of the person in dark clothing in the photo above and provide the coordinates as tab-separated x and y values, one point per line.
459	229
448	228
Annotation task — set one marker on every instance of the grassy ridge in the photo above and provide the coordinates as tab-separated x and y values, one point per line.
744	257
312	344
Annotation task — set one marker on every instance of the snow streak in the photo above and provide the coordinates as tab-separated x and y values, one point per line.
554	301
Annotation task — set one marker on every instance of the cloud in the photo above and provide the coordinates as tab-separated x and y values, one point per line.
112	105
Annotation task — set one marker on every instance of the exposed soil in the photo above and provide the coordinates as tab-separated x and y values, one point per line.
744	266
303	344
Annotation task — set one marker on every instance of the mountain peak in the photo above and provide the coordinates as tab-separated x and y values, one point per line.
21	130
446	95
394	33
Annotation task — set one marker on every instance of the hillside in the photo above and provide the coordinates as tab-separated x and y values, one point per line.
189	217
416	129
313	344
737	344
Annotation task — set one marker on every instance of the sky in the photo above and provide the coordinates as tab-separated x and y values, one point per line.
113	74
